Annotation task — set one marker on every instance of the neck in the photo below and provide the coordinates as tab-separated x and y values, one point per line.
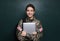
31	18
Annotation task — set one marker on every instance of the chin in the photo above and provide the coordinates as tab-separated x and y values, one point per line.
29	16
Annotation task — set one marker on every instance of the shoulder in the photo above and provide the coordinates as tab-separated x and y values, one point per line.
38	21
20	20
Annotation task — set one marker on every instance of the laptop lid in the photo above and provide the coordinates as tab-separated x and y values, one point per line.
29	27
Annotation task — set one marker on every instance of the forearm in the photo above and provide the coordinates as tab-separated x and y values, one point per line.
39	33
18	34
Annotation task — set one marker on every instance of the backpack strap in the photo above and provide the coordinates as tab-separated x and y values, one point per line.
24	20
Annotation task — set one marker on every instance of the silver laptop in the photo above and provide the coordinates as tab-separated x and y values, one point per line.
29	27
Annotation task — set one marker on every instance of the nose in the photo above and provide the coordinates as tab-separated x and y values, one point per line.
29	11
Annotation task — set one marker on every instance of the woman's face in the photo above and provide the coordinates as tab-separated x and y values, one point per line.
30	12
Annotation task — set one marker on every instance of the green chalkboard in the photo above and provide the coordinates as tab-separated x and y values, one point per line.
11	11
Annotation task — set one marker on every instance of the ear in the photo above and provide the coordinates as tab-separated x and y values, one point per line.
34	12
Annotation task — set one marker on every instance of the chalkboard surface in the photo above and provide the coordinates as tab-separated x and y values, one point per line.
48	11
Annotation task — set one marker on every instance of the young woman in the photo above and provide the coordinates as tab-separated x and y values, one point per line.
24	36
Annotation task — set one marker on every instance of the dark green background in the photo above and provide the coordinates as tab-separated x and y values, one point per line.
48	11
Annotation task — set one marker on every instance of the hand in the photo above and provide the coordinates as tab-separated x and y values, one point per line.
41	29
19	28
34	33
23	33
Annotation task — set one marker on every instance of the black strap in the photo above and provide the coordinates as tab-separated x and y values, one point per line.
24	20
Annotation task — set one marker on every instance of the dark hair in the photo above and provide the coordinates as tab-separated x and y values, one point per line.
30	5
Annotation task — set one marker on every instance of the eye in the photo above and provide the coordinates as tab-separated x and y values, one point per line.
27	10
32	10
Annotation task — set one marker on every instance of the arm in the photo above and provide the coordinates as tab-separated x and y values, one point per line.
39	30
19	31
